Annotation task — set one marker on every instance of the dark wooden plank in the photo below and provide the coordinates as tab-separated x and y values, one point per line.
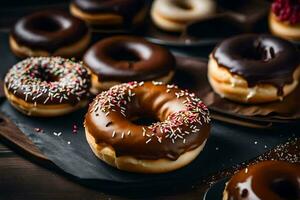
20	179
12	135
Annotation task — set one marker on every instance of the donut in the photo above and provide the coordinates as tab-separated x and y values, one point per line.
147	127
174	15
49	33
47	86
122	59
252	68
276	180
284	19
123	14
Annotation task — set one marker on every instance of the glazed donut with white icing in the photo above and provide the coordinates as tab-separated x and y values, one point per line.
176	138
47	86
254	68
284	19
174	15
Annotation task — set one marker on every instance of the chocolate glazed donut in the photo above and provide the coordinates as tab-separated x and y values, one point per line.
276	180
108	13
178	136
257	60
125	58
49	32
47	86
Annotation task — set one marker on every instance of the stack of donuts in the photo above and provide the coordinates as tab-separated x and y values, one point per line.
130	80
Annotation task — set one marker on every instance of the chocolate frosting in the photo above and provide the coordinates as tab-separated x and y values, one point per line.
111	124
127	58
259	59
48	30
48	81
276	180
126	8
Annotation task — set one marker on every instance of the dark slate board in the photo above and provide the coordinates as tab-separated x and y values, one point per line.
227	146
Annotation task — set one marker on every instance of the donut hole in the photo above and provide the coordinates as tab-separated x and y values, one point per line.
183	5
143	120
124	54
260	53
46	24
48	77
285	189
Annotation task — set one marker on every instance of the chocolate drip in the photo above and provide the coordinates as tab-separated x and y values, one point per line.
48	30
125	58
260	59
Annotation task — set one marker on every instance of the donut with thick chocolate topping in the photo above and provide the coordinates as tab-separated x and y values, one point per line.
47	86
122	59
276	180
119	131
101	14
254	68
49	33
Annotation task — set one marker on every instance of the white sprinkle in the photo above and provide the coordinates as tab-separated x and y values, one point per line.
69	142
144	131
159	139
148	140
46	100
113	134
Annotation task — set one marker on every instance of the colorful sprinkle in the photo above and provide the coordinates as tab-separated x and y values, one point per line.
48	80
177	125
